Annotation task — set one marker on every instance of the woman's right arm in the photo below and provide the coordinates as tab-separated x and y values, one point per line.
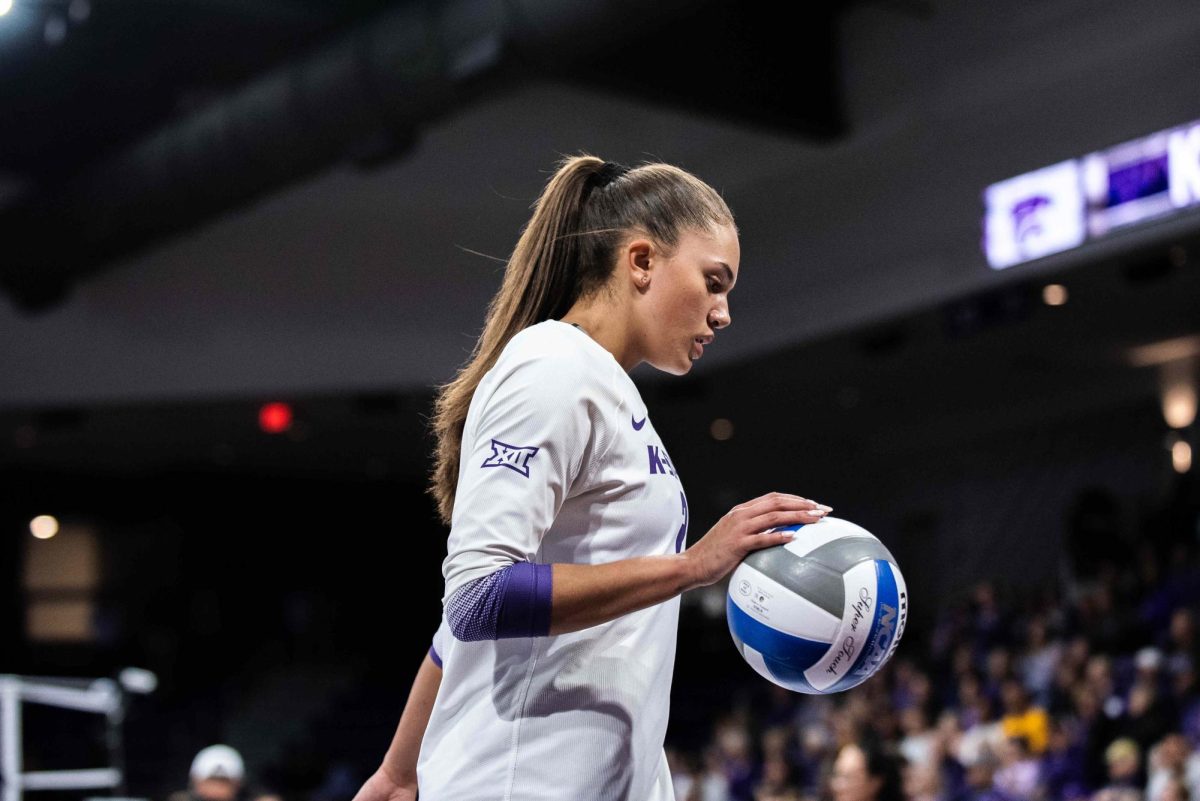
584	595
534	441
396	778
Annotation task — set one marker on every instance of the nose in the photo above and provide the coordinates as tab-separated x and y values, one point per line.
719	318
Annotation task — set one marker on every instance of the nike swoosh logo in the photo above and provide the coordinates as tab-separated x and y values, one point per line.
636	425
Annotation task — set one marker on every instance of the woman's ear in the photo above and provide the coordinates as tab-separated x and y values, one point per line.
641	253
637	258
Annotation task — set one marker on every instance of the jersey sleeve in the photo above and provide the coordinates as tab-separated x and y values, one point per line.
515	601
441	642
523	454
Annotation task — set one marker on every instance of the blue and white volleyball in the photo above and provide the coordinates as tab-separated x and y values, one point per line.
819	614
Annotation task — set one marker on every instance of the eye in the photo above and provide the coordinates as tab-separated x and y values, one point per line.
714	285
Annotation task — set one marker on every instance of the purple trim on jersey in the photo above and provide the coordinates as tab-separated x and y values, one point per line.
512	602
433	654
525	611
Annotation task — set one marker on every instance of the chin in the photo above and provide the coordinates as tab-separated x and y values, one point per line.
674	368
682	367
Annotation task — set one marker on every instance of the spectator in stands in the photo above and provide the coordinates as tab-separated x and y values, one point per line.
1062	771
217	774
733	748
1173	790
1150	718
1186	696
712	784
1182	644
683	775
916	746
816	752
776	783
1124	772
988	624
1062	691
951	776
1018	776
1173	760
984	735
866	771
980	778
1040	661
1022	719
997	669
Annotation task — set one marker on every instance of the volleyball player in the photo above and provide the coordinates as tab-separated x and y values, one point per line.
550	675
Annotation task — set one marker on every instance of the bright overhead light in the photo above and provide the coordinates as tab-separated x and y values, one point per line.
1168	350
43	526
1054	294
1181	456
1178	380
5	7
1179	406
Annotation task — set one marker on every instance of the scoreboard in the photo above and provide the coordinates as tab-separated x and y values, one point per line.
1064	205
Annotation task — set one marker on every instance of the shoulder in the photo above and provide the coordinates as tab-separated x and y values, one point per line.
547	339
548	360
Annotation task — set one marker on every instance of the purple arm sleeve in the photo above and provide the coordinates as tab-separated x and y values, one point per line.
512	602
433	654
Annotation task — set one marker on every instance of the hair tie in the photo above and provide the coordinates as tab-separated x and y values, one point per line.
607	173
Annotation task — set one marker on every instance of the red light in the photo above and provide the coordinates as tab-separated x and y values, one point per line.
275	418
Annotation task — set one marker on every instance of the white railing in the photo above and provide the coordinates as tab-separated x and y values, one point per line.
101	696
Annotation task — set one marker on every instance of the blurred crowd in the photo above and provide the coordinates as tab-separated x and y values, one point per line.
218	773
1084	690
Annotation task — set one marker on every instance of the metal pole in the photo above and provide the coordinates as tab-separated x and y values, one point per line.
113	738
10	737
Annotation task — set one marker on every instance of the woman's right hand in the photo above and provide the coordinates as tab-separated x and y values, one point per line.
381	787
743	529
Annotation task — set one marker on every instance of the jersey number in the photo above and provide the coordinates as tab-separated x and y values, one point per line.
682	529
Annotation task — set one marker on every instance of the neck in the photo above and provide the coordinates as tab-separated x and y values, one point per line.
609	331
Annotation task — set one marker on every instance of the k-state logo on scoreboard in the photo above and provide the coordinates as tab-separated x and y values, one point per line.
1033	215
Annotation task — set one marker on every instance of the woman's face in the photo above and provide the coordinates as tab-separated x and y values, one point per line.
850	780
687	298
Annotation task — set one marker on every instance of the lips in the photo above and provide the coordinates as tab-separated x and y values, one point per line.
697	350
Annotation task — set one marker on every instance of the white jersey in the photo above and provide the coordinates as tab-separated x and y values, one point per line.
560	463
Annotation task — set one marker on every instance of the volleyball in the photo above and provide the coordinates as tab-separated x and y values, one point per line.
819	614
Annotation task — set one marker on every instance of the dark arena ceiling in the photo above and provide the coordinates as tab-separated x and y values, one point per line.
208	205
140	120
